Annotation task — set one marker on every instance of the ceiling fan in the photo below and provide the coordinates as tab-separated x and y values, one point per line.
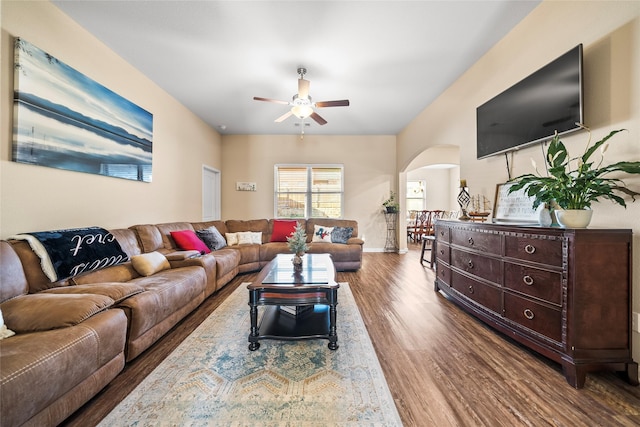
302	106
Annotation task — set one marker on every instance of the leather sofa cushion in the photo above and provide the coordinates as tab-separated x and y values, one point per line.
128	241
43	312
117	273
40	367
115	290
14	282
165	293
165	230
221	226
149	237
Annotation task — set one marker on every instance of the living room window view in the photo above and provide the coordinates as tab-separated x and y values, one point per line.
303	191
335	213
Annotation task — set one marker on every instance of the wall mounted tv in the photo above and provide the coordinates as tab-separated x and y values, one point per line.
532	110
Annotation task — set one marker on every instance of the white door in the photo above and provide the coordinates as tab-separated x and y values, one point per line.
210	193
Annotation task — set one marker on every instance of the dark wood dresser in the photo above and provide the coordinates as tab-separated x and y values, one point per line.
565	293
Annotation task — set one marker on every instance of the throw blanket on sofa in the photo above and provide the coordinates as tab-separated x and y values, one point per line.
67	253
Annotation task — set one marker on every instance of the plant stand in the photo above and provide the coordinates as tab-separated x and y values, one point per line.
391	244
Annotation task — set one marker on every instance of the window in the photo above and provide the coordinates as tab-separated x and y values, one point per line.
415	195
305	191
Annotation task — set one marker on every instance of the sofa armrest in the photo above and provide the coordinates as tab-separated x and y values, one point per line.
355	241
181	255
43	312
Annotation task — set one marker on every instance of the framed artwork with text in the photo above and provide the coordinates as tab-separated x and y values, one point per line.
514	207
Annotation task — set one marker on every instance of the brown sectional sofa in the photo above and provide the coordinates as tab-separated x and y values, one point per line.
75	335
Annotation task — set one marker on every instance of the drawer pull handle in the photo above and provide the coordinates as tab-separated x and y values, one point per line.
528	280
528	314
470	263
529	249
442	233
471	241
441	251
470	289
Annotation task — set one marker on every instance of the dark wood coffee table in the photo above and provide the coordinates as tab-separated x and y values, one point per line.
311	295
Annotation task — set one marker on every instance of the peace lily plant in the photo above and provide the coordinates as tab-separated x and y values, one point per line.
573	183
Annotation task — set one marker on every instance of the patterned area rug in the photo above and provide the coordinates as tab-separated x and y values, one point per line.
213	379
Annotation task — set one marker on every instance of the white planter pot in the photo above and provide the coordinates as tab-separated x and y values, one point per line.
574	218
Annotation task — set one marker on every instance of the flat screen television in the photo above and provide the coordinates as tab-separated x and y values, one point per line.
533	109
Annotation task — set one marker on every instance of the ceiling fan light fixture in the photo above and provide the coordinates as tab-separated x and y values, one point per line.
301	111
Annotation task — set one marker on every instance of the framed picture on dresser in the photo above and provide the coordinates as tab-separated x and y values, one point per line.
514	207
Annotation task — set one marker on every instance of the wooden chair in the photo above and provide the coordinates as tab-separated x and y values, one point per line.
423	219
411	224
428	237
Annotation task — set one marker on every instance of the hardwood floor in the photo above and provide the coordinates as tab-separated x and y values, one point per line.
443	367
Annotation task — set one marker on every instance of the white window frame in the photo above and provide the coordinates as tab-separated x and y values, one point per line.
309	190
423	183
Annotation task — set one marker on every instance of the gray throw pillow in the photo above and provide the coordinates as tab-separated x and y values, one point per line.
212	238
341	234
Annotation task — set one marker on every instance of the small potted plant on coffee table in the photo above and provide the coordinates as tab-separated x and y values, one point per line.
297	244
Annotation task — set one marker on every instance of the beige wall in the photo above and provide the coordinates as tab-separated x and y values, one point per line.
610	33
369	174
38	198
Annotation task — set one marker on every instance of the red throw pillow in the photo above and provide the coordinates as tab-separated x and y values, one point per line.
187	240
282	228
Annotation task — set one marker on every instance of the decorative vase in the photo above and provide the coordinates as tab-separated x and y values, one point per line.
463	200
297	261
544	218
574	218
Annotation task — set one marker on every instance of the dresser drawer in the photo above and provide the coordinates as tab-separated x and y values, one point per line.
476	240
442	232
529	248
443	272
477	264
543	284
443	252
537	317
485	295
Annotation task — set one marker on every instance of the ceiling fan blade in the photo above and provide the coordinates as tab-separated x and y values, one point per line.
303	88
283	117
315	116
340	103
257	98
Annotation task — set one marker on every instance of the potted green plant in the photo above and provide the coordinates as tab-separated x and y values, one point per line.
297	244
391	205
572	184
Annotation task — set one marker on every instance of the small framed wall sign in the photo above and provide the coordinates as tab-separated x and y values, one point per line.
514	207
245	186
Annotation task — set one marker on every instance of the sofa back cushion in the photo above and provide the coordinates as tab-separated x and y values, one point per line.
165	230
149	237
12	279
37	280
219	225
128	241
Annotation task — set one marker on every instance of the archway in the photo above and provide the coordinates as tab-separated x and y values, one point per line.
439	166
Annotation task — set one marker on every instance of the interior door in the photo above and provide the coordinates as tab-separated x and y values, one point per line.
210	193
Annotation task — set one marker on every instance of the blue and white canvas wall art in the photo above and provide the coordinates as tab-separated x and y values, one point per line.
65	120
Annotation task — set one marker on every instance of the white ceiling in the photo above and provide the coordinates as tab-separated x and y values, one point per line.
391	59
